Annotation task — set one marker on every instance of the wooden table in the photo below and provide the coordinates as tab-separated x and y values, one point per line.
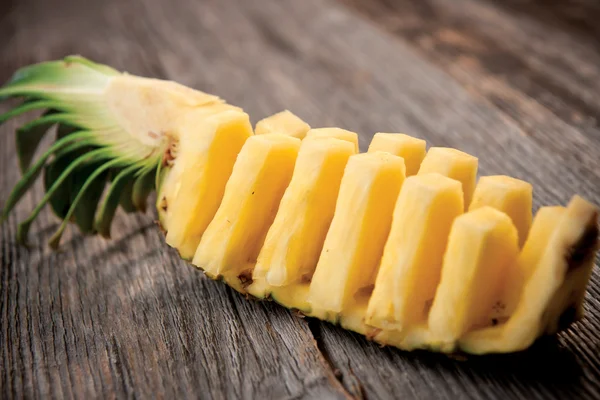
516	83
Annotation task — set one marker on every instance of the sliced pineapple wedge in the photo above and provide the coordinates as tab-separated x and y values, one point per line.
360	226
205	160
284	122
231	243
411	149
294	241
482	248
412	260
337	133
454	164
509	195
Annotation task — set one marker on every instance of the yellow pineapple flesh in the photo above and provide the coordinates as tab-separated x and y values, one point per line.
360	226
512	196
205	159
412	260
557	260
232	241
295	239
284	122
454	164
411	149
482	247
337	133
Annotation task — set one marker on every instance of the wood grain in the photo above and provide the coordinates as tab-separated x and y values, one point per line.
127	319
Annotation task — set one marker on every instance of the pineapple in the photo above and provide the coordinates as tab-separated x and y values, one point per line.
378	242
295	239
557	259
337	133
412	150
412	260
354	244
205	161
454	164
230	245
482	246
512	196
283	122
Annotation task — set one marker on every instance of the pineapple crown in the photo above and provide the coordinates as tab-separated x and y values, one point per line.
95	143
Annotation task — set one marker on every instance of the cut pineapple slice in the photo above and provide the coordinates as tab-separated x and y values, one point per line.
232	241
283	122
481	249
412	260
360	226
337	133
295	239
554	289
206	156
454	164
411	149
512	196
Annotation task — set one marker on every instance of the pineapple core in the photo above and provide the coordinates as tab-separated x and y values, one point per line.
204	163
360	226
411	149
412	259
260	176
337	133
481	249
454	164
512	196
295	239
283	122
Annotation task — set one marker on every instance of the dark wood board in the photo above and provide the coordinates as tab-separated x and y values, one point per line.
515	83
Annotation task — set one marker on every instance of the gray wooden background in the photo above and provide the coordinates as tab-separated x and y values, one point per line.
516	83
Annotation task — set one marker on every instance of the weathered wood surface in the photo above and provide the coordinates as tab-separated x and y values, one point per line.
514	82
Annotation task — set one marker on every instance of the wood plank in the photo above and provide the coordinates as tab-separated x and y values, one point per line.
126	317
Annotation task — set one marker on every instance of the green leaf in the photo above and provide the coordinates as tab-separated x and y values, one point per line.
109	205
72	142
29	136
58	79
55	239
60	202
86	208
143	186
105	69
125	200
95	155
26	107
